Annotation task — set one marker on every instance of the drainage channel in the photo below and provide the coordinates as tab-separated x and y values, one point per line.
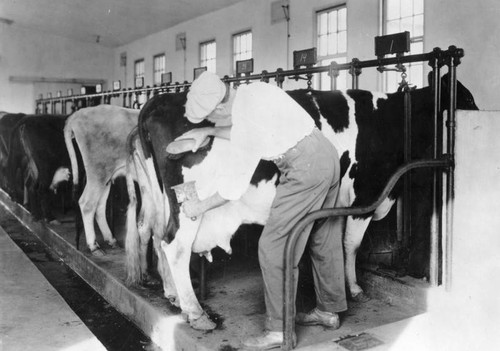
114	331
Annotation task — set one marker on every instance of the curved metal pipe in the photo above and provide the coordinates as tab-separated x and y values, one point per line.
288	294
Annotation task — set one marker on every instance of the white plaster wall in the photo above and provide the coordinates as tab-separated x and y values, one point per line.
466	317
472	25
269	40
29	53
475	27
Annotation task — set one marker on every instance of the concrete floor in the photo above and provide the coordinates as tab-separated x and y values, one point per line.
234	300
33	316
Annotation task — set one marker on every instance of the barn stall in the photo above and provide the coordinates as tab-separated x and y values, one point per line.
381	257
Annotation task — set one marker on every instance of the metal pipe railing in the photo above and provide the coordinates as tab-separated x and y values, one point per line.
289	285
354	67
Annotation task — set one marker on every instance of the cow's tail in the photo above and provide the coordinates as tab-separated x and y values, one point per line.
68	139
132	239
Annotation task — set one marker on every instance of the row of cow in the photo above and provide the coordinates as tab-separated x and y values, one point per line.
97	144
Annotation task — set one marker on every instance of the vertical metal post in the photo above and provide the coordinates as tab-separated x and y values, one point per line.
404	242
334	74
355	71
450	175
436	175
279	78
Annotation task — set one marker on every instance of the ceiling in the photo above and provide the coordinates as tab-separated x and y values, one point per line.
111	23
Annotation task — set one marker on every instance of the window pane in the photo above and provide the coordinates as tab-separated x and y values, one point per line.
332	37
323	23
323	45
407	25
406	8
342	19
418	26
393	27
418	6
393	9
392	81
242	47
417	47
416	75
342	47
332	45
332	22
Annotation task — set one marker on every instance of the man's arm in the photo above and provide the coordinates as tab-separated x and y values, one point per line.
200	134
195	208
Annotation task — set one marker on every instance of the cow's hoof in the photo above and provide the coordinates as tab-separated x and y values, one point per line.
150	281
202	323
173	300
360	297
113	245
97	252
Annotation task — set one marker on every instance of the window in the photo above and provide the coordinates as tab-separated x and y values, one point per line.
242	47
332	43
400	16
158	68
139	69
207	55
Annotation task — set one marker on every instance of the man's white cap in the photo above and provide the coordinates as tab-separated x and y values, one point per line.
206	92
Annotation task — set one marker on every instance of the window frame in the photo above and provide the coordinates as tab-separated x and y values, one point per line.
159	71
136	62
234	54
416	39
206	61
339	57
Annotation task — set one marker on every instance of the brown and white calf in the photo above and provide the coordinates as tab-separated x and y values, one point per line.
100	133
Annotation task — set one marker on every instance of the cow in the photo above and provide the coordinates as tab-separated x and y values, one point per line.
366	129
100	134
7	123
38	162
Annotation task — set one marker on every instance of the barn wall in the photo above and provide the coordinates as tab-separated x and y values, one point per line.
27	53
473	26
475	267
470	25
467	24
269	39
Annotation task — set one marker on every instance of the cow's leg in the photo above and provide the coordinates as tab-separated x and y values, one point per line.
88	206
169	289
101	220
178	254
355	230
144	227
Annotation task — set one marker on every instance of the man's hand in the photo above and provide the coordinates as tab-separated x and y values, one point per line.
198	135
193	208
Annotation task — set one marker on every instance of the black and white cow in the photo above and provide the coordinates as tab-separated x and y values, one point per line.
38	162
365	127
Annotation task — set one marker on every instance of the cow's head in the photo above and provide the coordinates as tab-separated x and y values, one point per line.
465	100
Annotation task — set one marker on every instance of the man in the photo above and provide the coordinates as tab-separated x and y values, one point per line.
268	124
